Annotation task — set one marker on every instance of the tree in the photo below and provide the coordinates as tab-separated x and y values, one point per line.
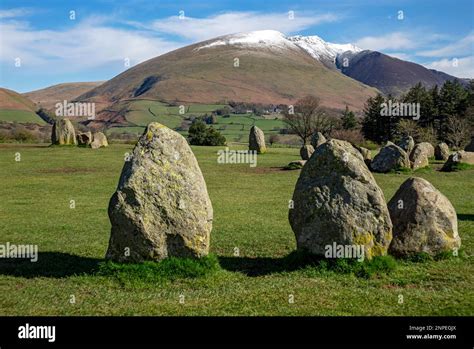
349	121
375	126
457	132
200	134
419	95
453	101
307	118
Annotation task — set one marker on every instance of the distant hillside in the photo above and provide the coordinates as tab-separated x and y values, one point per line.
388	74
49	96
15	107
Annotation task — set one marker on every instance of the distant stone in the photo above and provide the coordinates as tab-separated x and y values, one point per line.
470	146
457	158
84	139
63	133
441	151
306	151
407	143
366	154
99	141
161	207
428	148
317	139
419	156
424	220
295	165
336	200
257	140
390	158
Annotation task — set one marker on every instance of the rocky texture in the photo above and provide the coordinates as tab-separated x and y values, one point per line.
306	151
441	151
366	154
295	165
458	158
428	148
390	158
407	143
63	133
84	139
99	141
423	220
337	200
257	140
161	207
317	139
419	156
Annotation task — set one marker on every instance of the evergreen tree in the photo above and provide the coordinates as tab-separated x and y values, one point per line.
349	121
374	124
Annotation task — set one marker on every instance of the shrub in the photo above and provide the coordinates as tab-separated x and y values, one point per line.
200	134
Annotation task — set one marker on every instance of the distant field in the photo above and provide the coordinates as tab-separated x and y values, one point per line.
20	116
250	213
234	128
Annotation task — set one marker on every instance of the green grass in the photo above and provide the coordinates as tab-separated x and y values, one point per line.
250	217
20	116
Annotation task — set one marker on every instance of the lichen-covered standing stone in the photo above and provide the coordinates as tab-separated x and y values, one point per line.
390	157
306	151
442	151
63	133
257	140
336	199
99	141
161	207
317	139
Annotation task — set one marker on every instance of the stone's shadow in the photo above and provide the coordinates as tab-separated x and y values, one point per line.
466	217
49	264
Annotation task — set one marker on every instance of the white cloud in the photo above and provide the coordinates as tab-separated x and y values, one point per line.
15	12
392	41
401	55
461	68
198	29
462	47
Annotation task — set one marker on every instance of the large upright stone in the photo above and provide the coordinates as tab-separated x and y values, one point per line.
99	141
161	207
407	143
336	200
428	148
366	154
306	151
257	140
423	220
317	139
442	151
63	133
419	156
391	157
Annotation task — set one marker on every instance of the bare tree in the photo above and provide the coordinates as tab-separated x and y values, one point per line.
457	132
306	118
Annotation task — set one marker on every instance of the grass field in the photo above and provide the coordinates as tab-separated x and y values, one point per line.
20	116
250	213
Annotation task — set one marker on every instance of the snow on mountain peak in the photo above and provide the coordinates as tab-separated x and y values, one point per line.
313	45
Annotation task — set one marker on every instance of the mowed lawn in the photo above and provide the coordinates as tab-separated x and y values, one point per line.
250	214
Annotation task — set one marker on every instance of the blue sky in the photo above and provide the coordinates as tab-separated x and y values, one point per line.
41	44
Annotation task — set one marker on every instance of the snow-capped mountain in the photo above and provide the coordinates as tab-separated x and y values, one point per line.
313	45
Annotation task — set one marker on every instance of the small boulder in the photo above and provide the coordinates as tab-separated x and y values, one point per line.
161	207
419	157
306	151
317	139
457	158
99	141
427	148
84	139
63	133
442	151
407	143
424	220
336	200
257	140
391	157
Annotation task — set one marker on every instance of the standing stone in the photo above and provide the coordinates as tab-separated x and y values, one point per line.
63	133
390	157
407	143
419	156
366	154
317	139
99	140
459	157
441	151
428	148
84	139
336	200
257	140
161	207
306	151
423	220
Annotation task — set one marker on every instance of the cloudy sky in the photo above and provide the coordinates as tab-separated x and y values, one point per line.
48	42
